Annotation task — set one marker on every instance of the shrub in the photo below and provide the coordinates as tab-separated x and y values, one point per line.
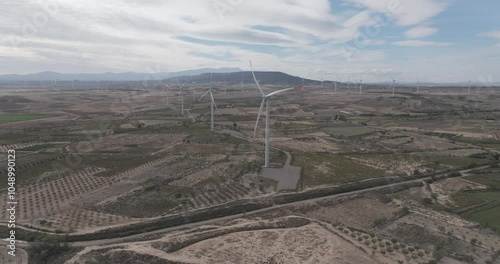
40	252
427	200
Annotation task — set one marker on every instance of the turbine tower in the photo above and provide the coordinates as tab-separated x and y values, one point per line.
468	92
165	90
266	99
242	84
393	86
181	95
212	104
418	84
360	84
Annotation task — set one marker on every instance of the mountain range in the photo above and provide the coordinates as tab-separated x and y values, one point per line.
108	76
227	75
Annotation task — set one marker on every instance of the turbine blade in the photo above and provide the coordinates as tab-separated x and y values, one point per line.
211	73
258	117
255	79
280	91
213	101
204	95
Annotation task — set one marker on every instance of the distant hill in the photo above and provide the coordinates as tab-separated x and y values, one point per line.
108	76
269	78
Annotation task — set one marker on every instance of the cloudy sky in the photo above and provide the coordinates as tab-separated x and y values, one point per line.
438	40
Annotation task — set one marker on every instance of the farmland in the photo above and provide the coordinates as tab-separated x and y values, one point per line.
4	118
123	158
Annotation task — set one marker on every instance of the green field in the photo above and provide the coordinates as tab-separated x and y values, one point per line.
490	180
348	131
458	161
489	215
464	199
5	118
320	169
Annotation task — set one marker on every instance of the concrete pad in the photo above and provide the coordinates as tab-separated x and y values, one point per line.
287	177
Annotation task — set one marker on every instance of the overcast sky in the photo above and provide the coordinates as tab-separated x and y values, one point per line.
438	40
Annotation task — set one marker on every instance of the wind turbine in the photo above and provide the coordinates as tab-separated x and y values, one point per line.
360	84
181	95
212	103
165	90
393	86
418	84
302	84
266	99
242	84
192	87
468	92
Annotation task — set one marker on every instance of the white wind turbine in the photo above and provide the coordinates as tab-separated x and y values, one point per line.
192	87
361	84
242	84
393	86
212	104
165	90
302	84
181	95
418	84
468	91
266	99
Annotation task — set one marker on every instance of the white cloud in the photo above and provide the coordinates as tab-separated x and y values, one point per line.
374	42
299	37
405	12
421	43
491	34
420	32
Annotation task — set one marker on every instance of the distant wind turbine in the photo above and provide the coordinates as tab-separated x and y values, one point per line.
212	103
468	92
181	95
393	86
266	99
165	90
242	84
361	84
418	84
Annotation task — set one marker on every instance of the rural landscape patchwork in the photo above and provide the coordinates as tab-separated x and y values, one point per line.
120	173
239	161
